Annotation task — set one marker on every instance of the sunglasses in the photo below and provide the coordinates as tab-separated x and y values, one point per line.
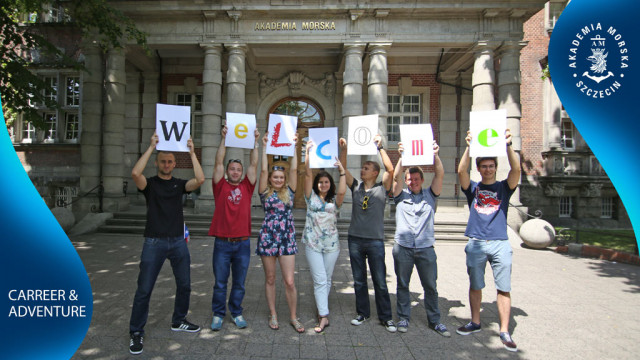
365	202
277	168
234	161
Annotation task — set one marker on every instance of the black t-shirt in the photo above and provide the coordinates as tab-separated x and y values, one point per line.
164	207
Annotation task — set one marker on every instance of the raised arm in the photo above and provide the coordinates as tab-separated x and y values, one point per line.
342	183
264	167
514	162
438	177
343	160
398	174
293	167
463	167
197	169
308	174
138	168
218	167
252	171
387	177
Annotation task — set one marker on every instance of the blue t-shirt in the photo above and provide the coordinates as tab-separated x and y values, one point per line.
415	215
488	206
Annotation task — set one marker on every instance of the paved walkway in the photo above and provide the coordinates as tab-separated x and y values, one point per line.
563	308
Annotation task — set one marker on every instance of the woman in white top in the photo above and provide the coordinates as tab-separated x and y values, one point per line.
320	233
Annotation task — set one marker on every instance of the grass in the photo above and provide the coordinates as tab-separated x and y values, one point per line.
621	240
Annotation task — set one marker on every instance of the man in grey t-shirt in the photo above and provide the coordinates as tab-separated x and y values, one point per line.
415	237
366	235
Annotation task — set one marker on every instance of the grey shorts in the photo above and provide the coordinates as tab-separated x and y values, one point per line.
498	253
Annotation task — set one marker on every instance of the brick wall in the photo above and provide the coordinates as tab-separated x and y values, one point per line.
531	90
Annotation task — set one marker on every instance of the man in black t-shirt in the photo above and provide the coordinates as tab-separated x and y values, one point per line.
163	239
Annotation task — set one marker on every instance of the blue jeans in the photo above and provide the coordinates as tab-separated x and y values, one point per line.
425	261
229	258
498	253
359	251
154	253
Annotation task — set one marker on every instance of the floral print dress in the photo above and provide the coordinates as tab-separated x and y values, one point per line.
321	229
277	234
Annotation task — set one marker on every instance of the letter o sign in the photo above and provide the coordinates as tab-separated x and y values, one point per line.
362	136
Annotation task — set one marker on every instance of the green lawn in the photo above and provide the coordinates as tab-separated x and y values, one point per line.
623	240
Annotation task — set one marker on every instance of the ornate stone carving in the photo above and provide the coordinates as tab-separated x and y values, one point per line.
554	189
295	80
591	190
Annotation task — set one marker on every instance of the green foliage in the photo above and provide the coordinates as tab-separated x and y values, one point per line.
21	32
621	240
545	73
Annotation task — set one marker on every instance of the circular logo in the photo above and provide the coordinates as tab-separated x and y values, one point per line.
362	136
598	59
488	137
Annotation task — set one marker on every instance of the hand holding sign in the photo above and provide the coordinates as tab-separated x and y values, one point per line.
487	128
239	128
323	155
417	137
282	129
173	126
362	130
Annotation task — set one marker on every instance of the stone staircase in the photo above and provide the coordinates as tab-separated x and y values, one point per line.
450	223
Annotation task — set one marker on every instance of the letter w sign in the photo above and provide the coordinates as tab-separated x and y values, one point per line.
173	126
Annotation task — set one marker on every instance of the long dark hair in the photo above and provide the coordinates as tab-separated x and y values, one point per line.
332	189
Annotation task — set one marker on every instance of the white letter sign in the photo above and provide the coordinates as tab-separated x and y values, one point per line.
487	133
362	130
173	126
324	152
282	129
240	131
417	140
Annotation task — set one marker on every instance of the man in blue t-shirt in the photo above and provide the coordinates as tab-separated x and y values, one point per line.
487	231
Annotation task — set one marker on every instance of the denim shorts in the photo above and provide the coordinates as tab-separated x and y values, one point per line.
498	253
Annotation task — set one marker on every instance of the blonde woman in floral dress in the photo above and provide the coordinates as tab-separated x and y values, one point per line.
321	232
277	239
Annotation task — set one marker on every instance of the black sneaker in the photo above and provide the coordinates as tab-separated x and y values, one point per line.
184	325
358	320
390	326
135	343
508	342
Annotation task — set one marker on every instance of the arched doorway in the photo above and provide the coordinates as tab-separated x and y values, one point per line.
309	115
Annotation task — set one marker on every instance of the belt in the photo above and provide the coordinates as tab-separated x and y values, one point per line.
233	239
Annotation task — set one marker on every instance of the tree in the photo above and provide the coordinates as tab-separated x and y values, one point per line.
23	30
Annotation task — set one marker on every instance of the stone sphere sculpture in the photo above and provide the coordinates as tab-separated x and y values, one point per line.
537	233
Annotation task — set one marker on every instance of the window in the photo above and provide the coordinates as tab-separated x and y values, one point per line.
552	11
195	102
28	132
566	206
50	122
61	123
402	109
567	135
606	208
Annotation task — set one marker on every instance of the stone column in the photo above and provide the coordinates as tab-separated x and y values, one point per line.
211	121
113	133
352	80
236	87
509	99
484	77
90	138
132	128
509	81
450	128
150	97
377	82
483	84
